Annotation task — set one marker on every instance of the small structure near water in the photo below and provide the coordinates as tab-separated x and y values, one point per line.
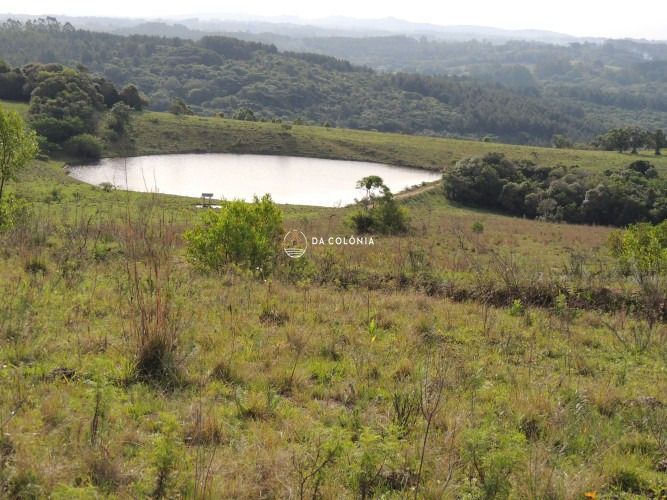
206	199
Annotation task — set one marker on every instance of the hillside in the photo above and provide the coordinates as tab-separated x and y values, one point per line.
166	133
616	81
311	380
218	74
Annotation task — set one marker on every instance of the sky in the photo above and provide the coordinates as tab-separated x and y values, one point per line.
603	18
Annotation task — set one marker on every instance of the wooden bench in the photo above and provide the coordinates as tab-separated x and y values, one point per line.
206	199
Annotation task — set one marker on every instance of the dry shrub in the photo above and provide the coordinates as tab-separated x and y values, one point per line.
104	471
203	428
156	320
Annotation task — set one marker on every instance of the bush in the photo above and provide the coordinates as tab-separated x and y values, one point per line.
12	212
179	107
381	213
389	217
241	233
84	146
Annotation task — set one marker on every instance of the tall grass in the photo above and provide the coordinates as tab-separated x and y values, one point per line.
155	319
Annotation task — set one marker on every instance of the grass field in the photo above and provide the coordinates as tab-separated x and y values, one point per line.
166	133
424	366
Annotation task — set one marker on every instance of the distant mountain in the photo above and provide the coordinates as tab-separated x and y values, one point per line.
393	25
517	90
299	28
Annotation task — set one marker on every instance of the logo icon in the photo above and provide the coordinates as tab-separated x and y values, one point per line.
295	244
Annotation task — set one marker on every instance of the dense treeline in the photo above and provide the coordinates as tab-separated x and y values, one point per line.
632	138
618	80
636	193
622	73
66	104
220	74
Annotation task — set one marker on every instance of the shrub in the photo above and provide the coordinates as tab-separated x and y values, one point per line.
381	213
362	221
179	107
493	455
241	233
84	146
389	217
245	114
12	212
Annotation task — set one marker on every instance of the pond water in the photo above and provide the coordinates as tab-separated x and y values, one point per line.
289	180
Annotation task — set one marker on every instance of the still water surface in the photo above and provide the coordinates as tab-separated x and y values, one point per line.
293	180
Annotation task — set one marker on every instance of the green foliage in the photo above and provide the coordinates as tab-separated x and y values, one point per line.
561	141
84	146
119	120
370	455
388	216
641	250
245	114
17	146
64	102
13	211
658	140
241	233
221	74
131	96
381	213
493	455
178	107
517	308
633	138
633	194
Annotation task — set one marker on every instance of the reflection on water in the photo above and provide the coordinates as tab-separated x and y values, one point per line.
299	181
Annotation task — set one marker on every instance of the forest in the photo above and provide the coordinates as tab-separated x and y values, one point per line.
613	80
614	197
222	75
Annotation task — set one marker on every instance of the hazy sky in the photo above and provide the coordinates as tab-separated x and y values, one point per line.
610	18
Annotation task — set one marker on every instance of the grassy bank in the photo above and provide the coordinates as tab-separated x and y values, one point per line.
309	381
160	133
354	372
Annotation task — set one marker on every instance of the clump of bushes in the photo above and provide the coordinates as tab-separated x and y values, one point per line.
380	213
179	107
616	197
84	146
241	233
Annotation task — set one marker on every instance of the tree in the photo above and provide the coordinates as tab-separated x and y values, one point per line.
17	146
386	216
561	141
131	96
637	138
373	185
658	140
616	138
120	117
178	107
245	114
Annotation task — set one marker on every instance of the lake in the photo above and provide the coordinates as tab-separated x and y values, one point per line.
289	180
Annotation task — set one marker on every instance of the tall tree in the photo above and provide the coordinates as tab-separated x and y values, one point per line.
17	146
637	138
131	96
658	141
